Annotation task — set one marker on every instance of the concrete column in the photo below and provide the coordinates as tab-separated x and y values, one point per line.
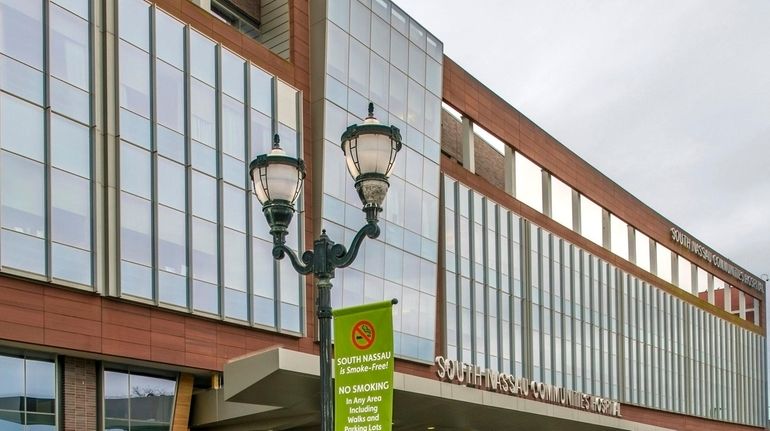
576	211
606	230
108	173
469	156
632	244
546	177
510	171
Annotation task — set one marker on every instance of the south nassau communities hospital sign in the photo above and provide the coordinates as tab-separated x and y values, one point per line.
363	367
474	376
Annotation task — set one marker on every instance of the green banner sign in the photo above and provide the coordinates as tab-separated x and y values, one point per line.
363	368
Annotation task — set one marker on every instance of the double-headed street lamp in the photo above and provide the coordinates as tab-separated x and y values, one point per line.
370	152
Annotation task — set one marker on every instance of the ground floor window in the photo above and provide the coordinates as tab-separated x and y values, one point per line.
27	394
136	401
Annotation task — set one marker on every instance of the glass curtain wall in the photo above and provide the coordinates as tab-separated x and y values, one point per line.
27	394
135	401
584	324
46	185
375	52
192	116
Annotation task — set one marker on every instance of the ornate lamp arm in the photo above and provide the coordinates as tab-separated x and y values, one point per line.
304	267
340	257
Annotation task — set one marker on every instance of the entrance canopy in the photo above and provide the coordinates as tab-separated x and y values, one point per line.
279	389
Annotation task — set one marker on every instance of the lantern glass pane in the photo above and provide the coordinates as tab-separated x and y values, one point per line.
351	159
283	181
259	185
374	153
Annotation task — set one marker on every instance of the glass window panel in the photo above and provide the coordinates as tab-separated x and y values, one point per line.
290	283
663	262
202	52
22	195
234	205
204	250
71	264
152	399
235	304
417	64
134	128
202	115
169	39
262	264
398	93
619	236
69	47
203	158
73	102
172	289
40	380
21	31
115	395
684	274
416	106
232	75
234	171
21	80
337	53
22	251
12	389
529	182
235	259
264	311
360	22
172	241
135	170
261	134
170	96
204	196
642	250
287	104
134	22
380	37
70	209
261	86
432	114
379	82
290	317
703	283
591	220
233	128
135	280
21	127
171	184
435	48
205	297
70	146
135	242
170	144
433	77
561	202
359	67
399	51
134	79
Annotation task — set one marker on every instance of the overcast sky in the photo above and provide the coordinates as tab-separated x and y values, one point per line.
670	99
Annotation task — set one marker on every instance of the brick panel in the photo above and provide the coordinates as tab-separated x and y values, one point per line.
79	395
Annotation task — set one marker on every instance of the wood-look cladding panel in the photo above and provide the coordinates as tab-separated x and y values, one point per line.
466	94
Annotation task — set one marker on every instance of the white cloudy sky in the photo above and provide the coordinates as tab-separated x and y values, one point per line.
670	99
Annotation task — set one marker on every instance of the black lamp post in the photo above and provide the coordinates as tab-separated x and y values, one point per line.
370	151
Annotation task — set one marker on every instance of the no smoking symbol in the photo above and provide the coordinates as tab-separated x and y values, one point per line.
363	334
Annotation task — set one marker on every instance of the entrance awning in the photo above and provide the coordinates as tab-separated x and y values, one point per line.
278	389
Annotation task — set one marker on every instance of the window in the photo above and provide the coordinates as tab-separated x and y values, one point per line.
619	236
561	202
642	250
134	401
529	182
591	225
27	394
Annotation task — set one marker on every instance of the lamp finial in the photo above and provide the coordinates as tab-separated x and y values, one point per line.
371	110
276	141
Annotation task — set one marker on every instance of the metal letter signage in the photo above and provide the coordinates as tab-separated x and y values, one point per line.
716	260
363	368
474	376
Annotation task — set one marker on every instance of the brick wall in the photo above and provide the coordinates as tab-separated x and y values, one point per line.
79	400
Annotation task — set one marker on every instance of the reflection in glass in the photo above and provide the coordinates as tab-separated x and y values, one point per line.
135	280
40	386
134	79
287	105
172	289
70	264
71	101
337	53
205	297
204	196
12	389
359	67
21	31
261	86
171	184
202	64
70	209
204	251
68	47
202	115
135	242
172	241
21	127
22	252
21	80
137	401
170	96
134	22
416	105
235	260
232	74
233	127
70	146
135	161
22	202
169	39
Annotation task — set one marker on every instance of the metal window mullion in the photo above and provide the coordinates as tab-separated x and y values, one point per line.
511	294
188	170
47	138
96	282
485	281
457	275
276	265
220	209
526	298
472	275
154	160
248	197
300	226
499	290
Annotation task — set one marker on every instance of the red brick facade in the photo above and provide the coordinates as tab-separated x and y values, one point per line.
79	390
